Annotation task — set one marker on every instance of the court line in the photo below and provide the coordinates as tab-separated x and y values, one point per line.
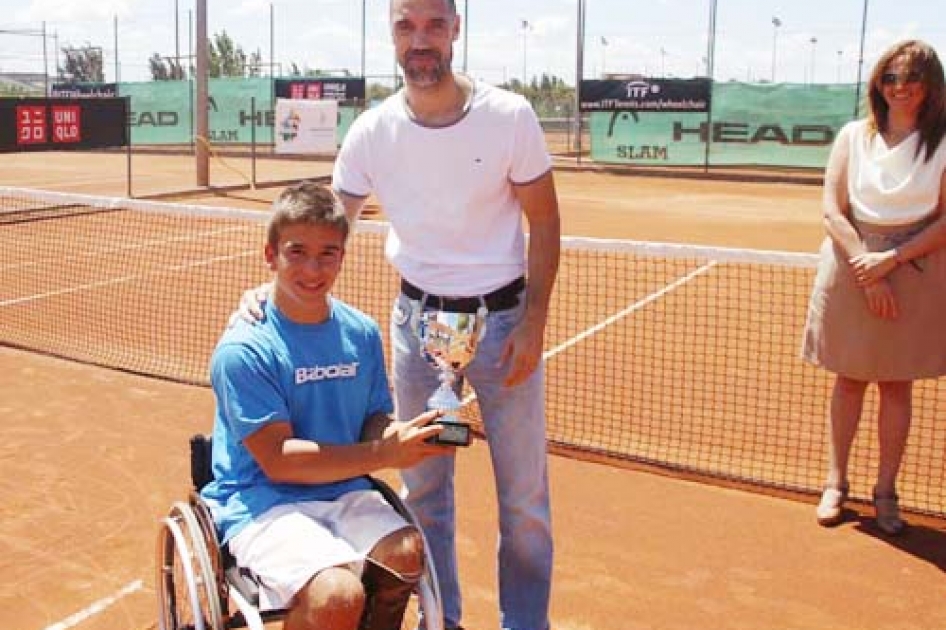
140	245
630	309
96	607
124	279
676	284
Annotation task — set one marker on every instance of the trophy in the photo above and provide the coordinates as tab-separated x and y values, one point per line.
448	341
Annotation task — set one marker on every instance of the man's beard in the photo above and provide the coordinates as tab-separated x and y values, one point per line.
428	73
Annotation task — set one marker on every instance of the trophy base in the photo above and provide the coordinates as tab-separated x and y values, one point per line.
453	434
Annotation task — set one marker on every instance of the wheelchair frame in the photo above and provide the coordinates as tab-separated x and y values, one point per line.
199	586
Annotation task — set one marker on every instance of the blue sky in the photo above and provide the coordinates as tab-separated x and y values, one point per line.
817	40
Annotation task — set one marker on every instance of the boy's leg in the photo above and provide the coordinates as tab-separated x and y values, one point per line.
391	572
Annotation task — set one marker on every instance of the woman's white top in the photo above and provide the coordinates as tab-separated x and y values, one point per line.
891	185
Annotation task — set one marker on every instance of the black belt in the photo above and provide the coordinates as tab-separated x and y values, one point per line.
502	299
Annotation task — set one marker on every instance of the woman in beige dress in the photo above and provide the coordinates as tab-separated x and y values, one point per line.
878	309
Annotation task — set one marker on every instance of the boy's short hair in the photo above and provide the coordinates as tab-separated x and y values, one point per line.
306	202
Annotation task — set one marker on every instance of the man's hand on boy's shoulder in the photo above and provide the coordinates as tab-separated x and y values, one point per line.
251	305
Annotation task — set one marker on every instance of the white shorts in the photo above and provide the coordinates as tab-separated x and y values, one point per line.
289	544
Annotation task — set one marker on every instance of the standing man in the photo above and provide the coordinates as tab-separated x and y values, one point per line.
455	164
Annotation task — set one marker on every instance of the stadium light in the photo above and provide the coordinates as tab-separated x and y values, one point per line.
814	44
604	56
860	64
776	23
526	27
363	33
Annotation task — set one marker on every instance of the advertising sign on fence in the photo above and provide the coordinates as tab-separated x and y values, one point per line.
55	124
305	126
84	90
321	88
748	124
645	95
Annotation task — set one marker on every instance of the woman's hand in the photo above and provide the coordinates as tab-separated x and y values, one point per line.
880	299
870	267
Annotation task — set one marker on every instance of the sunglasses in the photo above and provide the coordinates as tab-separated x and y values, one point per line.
892	78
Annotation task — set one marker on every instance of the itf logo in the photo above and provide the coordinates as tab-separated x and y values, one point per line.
641	89
289	126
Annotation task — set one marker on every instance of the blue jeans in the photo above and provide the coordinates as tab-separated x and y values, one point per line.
514	422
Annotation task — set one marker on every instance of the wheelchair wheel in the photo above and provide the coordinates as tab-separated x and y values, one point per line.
212	545
186	585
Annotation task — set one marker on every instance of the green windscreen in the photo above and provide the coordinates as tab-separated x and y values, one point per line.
749	124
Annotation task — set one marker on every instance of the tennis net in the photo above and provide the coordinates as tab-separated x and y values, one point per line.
679	357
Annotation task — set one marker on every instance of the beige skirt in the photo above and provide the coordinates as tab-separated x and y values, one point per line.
841	334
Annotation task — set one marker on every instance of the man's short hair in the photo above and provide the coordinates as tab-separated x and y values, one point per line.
451	4
306	202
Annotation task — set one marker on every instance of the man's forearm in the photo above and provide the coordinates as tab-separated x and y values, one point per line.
542	265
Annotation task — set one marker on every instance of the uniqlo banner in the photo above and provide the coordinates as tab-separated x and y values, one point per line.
322	88
57	124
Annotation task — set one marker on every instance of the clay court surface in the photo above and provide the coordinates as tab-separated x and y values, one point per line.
92	458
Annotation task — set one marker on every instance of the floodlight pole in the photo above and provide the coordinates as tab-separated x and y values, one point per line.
201	113
364	33
776	23
117	77
860	65
579	72
710	63
466	34
177	37
45	63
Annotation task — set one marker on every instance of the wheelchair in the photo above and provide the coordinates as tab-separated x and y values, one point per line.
200	587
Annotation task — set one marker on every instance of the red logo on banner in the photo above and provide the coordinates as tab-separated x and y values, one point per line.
30	124
67	123
305	91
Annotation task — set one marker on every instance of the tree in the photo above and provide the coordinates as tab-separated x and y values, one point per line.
255	68
165	68
377	92
226	59
549	95
83	65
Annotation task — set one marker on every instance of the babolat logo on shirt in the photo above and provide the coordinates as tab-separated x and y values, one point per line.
326	372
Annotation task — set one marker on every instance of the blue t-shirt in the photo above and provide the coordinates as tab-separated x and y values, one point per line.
326	379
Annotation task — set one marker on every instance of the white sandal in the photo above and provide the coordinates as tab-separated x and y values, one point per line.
830	510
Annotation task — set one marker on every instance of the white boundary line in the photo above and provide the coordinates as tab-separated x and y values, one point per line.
630	309
679	282
96	607
104	283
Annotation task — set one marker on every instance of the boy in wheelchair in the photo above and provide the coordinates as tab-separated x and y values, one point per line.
302	418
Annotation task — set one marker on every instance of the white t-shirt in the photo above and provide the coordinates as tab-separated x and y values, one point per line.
456	225
891	186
